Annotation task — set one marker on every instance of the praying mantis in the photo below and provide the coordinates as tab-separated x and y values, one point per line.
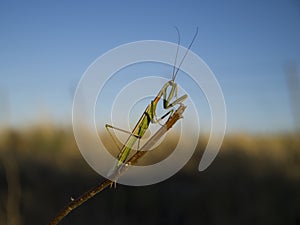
170	100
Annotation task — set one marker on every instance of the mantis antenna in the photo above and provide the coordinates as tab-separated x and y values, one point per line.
175	62
195	35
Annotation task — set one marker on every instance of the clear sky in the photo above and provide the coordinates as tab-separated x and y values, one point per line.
45	47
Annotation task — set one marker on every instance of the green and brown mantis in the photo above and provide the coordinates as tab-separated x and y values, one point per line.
170	100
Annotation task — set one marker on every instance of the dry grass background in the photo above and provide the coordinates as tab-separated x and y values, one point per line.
255	179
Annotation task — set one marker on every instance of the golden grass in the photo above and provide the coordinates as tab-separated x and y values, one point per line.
250	170
57	147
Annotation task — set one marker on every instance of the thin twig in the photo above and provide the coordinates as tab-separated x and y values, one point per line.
133	160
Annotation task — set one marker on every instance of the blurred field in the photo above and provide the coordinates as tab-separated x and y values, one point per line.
254	180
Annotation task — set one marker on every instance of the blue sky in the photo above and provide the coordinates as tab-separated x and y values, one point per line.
45	47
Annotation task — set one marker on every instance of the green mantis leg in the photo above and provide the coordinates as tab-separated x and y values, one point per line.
173	91
108	126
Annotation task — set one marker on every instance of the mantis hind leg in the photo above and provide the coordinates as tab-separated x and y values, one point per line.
108	127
